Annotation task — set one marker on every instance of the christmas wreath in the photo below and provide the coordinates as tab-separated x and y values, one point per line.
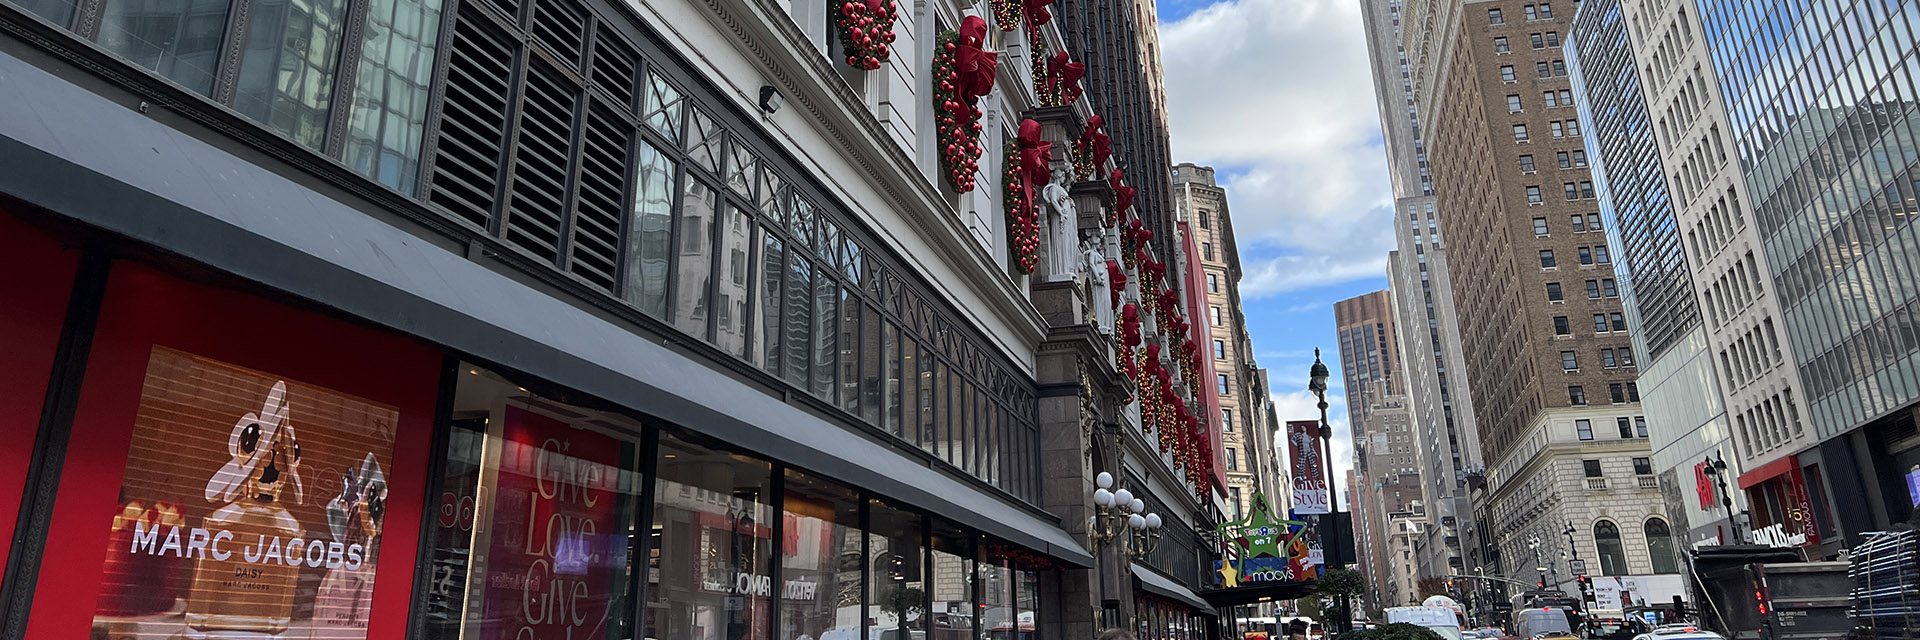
866	31
963	72
1006	13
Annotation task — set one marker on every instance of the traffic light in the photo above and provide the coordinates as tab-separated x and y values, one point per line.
1586	587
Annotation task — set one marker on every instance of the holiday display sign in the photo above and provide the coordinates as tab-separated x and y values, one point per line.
251	506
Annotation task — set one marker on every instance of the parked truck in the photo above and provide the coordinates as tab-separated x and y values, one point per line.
1762	593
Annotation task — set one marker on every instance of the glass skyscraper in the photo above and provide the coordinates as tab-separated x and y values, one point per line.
1822	106
1634	201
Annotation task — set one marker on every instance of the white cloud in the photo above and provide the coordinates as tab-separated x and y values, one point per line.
1277	95
1306	306
1296	403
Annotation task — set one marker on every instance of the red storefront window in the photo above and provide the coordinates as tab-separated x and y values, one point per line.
237	466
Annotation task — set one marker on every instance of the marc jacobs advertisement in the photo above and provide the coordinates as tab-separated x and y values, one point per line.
251	508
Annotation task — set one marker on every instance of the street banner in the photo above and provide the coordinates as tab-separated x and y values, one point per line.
1305	460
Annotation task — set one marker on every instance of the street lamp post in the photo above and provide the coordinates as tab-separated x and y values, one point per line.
1533	542
1717	467
1329	543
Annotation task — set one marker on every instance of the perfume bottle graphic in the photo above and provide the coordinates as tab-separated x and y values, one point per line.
346	595
249	593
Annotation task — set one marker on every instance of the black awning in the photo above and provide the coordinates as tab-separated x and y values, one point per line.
1259	592
69	150
1153	582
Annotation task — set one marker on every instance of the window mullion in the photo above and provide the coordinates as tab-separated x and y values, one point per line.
346	70
226	77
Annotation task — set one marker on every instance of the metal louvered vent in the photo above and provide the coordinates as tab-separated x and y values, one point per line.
616	68
538	204
599	211
562	26
474	119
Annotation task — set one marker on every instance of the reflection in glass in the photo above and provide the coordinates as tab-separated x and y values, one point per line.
741	169
1027	596
896	597
286	74
892	360
929	437
952	570
822	561
799	322
693	269
540	499
826	316
651	239
704	141
849	361
710	566
943	428
870	358
731	323
58	12
388	121
999	610
772	275
179	39
664	108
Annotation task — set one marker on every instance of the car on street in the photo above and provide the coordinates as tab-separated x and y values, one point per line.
1679	632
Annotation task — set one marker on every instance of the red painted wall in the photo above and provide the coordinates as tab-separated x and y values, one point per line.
33	304
145	308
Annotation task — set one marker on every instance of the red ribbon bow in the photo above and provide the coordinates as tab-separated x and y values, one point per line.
1130	325
1035	153
1122	194
1095	140
1063	75
973	65
1036	11
1118	277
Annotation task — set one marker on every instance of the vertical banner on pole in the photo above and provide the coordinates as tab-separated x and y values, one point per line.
1305	458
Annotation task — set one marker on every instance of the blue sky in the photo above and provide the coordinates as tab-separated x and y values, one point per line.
1277	96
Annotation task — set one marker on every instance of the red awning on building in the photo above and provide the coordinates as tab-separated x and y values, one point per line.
1768	471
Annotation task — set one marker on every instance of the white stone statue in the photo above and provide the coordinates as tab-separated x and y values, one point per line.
1094	263
1063	230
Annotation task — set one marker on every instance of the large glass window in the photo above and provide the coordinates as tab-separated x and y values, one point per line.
286	74
1660	546
731	322
693	232
822	559
179	39
896	596
388	121
709	567
952	569
1613	555
538	507
650	238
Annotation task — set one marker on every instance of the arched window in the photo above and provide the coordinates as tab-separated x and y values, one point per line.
1613	556
1660	546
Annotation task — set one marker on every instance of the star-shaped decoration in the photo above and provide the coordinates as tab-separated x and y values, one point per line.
1228	576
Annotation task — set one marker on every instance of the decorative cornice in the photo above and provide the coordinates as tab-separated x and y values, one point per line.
763	32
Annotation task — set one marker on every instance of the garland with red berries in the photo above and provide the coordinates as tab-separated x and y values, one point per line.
866	31
962	73
1023	216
